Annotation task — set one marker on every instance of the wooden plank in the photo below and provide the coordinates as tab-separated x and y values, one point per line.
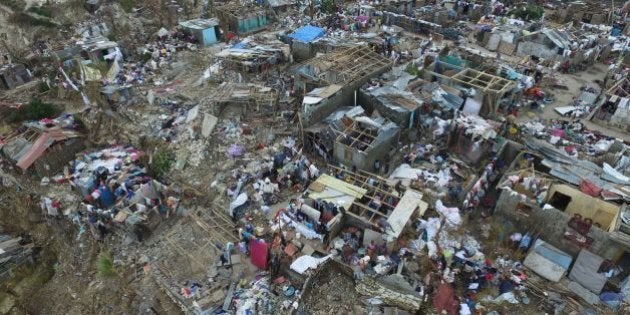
341	186
407	205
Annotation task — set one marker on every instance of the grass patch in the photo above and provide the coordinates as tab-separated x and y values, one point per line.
35	110
105	265
127	5
22	18
43	11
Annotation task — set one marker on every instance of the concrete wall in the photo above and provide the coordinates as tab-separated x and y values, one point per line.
371	103
364	160
57	157
601	212
301	51
326	107
345	97
552	224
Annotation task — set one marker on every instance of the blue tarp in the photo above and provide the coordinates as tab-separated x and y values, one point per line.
240	45
308	33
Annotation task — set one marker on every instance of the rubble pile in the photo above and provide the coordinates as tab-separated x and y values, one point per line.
377	157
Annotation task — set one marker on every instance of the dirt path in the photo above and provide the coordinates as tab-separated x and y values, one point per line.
562	97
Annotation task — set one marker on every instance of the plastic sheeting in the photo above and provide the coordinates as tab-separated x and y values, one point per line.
304	263
453	218
308	33
236	150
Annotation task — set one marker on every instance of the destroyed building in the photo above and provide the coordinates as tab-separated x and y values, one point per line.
247	98
241	19
14	253
13	75
322	157
206	31
547	43
484	91
615	109
43	148
252	57
366	142
97	48
332	80
579	200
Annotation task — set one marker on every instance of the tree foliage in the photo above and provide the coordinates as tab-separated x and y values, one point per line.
328	6
35	110
161	163
529	12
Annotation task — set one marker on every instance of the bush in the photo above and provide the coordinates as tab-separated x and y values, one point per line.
105	265
127	5
35	110
21	18
530	12
43	87
43	11
328	6
162	162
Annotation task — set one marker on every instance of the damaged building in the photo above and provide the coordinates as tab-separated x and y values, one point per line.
615	109
581	203
205	31
43	149
13	75
366	142
241	19
332	80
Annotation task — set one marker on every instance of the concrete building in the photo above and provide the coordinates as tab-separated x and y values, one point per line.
206	31
365	143
615	110
340	74
239	19
12	76
548	44
569	214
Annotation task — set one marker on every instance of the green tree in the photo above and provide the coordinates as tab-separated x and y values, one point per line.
529	12
35	110
161	163
328	6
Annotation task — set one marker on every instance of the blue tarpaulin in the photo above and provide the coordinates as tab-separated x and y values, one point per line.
308	33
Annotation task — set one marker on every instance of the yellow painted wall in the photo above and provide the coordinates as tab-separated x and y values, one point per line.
598	210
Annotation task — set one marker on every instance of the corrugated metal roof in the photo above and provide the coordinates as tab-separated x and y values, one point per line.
199	24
